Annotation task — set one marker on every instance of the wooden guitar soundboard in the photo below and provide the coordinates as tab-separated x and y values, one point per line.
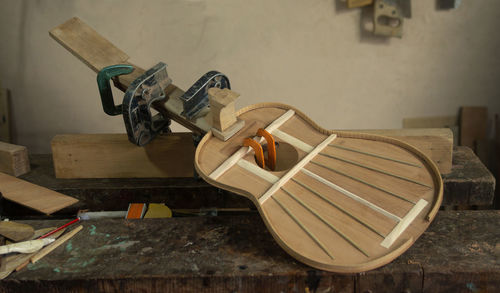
338	201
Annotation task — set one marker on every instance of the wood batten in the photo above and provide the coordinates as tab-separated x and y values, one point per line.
376	170
404	223
300	165
352	195
293	141
238	155
252	168
357	219
363	181
301	225
330	225
374	155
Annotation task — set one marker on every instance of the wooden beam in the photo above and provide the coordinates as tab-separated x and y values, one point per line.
14	159
113	156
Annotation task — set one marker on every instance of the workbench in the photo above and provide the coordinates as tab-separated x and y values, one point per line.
460	252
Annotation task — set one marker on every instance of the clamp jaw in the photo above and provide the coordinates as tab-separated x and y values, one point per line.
149	91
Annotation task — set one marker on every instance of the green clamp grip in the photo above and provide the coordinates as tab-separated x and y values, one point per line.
103	78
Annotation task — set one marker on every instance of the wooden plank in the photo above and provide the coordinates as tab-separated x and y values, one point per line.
87	45
473	125
14	159
5	123
436	143
114	156
33	196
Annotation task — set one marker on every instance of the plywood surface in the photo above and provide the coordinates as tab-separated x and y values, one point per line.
33	196
347	216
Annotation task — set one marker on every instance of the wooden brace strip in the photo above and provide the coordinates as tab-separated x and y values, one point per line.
404	223
296	168
245	150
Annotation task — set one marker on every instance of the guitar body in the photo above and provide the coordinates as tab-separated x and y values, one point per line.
338	201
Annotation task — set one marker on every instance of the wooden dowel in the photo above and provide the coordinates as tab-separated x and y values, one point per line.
304	228
374	155
373	229
363	181
314	212
54	245
375	169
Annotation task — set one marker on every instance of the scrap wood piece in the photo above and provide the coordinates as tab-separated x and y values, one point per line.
16	231
33	196
14	159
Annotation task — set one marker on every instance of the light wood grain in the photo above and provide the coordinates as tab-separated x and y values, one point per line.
33	196
14	159
302	223
113	156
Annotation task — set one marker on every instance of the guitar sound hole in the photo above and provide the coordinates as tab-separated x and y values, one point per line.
286	157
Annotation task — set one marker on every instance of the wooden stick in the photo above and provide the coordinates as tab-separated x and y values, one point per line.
404	223
293	141
54	245
373	229
363	181
374	155
245	150
314	212
304	228
352	195
376	170
296	168
264	174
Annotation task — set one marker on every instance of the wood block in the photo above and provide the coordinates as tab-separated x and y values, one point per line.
222	108
14	159
33	196
473	125
436	143
113	156
5	133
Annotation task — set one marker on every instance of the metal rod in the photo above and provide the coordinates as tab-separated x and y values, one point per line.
375	155
304	227
376	170
362	181
312	211
340	208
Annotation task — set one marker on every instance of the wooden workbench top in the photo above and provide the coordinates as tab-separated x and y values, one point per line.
469	183
460	252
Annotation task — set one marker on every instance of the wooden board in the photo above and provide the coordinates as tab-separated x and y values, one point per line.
14	159
114	156
436	143
331	207
33	196
473	125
